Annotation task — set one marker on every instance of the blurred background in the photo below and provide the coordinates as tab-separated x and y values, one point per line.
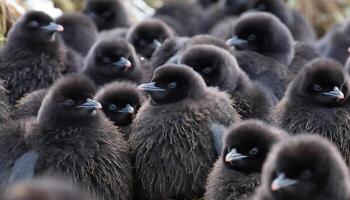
323	14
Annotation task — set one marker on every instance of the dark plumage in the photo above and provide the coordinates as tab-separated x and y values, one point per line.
264	49
304	167
297	24
148	35
223	29
114	33
45	189
29	105
207	3
182	15
336	42
220	69
120	102
70	138
303	53
236	173
221	11
171	49
112	59
32	58
317	102
80	32
107	14
4	105
168	51
174	131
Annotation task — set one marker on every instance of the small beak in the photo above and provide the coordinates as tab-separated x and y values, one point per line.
52	27
128	109
237	42
156	43
234	156
150	87
335	93
123	62
90	105
281	182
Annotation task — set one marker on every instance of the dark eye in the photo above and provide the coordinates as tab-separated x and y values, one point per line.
254	151
261	6
317	88
251	37
172	85
112	107
305	175
106	60
69	102
143	42
207	70
33	24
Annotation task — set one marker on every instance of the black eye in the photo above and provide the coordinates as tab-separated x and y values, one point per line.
254	151
317	88
106	60
143	42
34	24
305	175
112	107
172	85
251	37
261	6
207	70
69	102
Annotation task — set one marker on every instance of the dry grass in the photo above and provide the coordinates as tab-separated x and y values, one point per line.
69	5
323	13
8	16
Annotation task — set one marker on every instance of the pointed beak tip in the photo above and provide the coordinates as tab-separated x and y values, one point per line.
140	87
60	28
274	187
229	42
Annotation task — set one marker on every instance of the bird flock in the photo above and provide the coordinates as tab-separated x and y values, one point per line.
206	99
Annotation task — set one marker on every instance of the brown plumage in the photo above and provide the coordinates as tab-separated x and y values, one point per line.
32	58
112	59
220	69
173	134
236	173
29	105
303	53
4	105
120	102
71	138
79	33
317	102
264	49
304	167
148	35
107	14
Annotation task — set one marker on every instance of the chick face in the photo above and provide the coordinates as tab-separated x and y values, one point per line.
111	57
173	83
302	167
69	101
148	36
323	82
262	33
247	145
36	27
120	106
